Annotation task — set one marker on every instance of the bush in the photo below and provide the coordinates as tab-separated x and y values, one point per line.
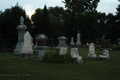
55	57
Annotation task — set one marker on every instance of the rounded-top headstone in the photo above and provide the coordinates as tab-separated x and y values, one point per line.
62	37
21	20
41	37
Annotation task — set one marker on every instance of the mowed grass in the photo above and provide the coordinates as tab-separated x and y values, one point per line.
11	65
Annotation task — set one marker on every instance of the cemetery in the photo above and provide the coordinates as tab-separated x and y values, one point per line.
59	62
45	50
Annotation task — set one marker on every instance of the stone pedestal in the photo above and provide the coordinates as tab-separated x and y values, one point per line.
26	56
62	42
41	43
21	31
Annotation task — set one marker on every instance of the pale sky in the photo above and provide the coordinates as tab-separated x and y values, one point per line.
107	6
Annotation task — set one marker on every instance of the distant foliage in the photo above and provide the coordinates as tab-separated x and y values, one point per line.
55	57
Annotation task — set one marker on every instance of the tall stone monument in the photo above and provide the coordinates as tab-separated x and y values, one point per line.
27	51
78	43
21	31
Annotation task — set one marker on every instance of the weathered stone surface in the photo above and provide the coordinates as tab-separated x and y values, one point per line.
27	47
91	54
75	55
105	55
62	42
63	51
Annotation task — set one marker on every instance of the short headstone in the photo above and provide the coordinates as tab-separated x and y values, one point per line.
63	51
75	55
72	41
106	44
41	54
62	42
21	31
41	43
91	54
105	55
87	44
27	51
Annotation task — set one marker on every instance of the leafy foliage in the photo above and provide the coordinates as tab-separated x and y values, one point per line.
9	20
55	57
82	15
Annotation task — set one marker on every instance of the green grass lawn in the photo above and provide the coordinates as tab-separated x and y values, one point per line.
32	69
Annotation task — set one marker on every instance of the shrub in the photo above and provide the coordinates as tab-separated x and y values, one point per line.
55	57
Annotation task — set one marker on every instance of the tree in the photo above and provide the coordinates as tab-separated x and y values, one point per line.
81	15
36	19
57	11
56	15
110	27
46	25
9	20
102	22
117	23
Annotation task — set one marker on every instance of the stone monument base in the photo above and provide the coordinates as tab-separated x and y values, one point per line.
92	56
17	51
26	56
109	49
39	48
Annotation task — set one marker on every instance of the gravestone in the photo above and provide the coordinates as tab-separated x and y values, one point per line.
91	54
105	55
27	51
62	42
63	51
41	43
72	41
75	55
41	54
21	31
106	44
78	43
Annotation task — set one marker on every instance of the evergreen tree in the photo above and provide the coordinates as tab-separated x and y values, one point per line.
36	19
46	25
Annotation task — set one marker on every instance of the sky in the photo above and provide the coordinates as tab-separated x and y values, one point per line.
107	6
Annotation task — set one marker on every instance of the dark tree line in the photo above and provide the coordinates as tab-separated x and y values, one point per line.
56	21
